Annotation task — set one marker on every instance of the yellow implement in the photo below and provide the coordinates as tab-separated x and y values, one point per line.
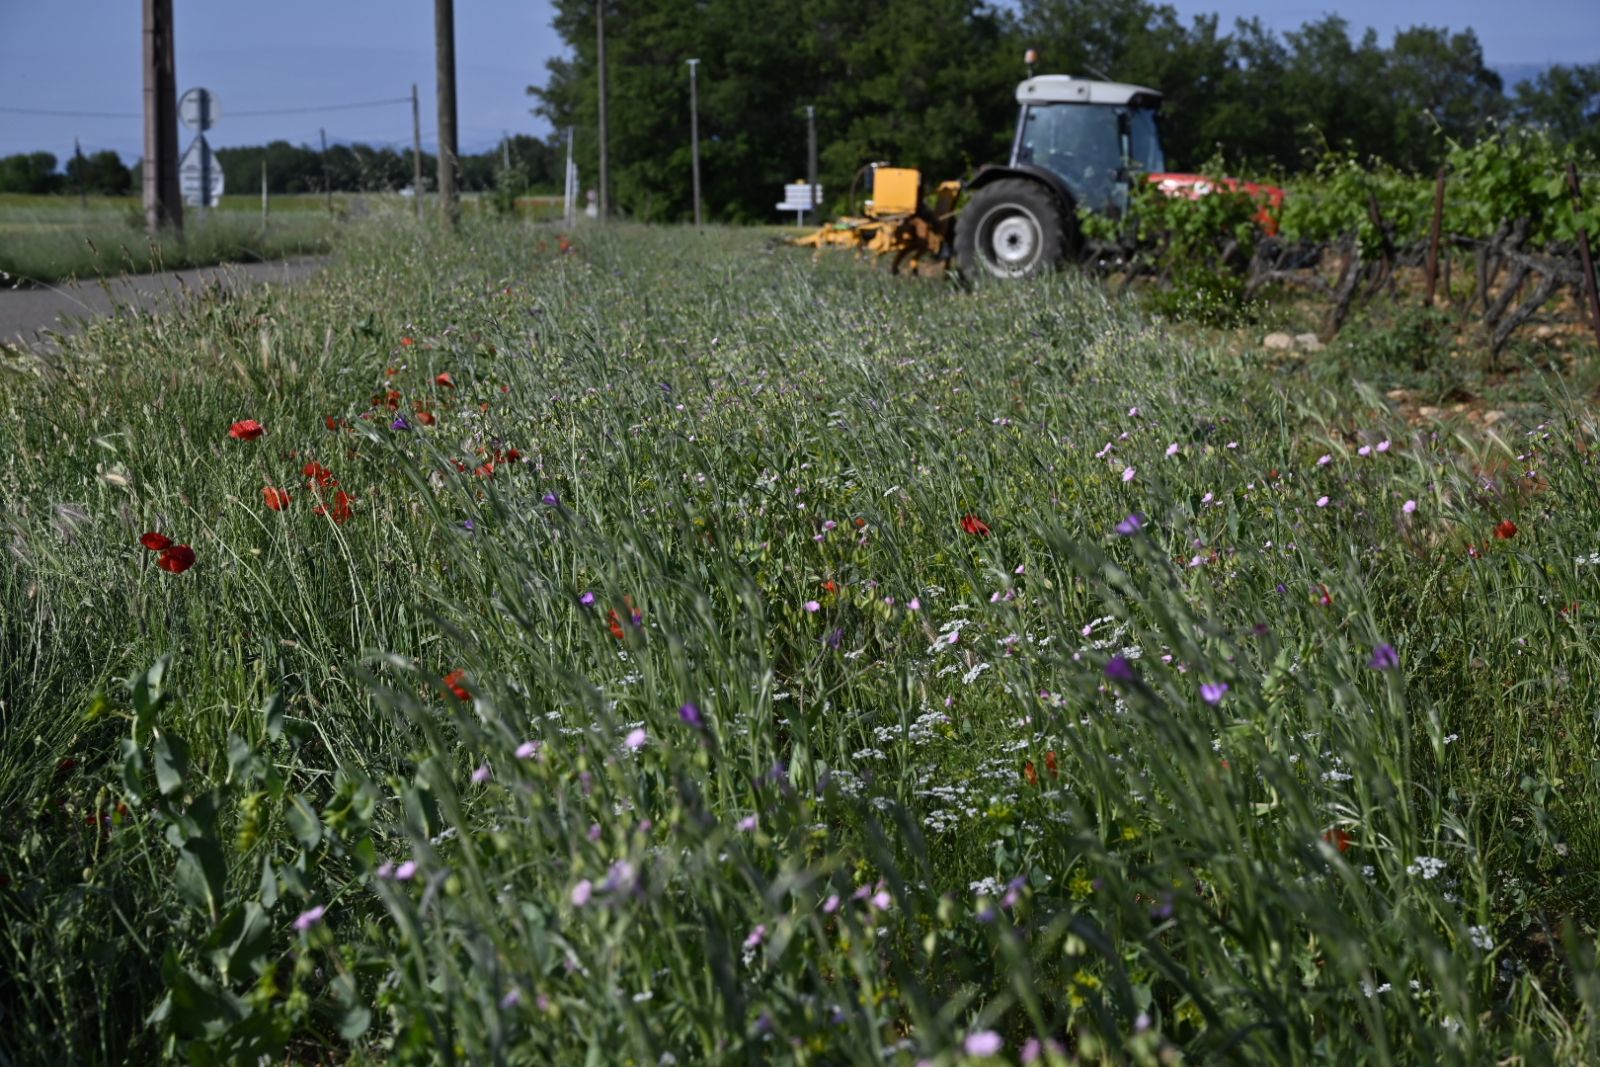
897	221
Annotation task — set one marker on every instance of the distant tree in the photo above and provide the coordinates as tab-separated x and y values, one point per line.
99	174
1566	99
32	172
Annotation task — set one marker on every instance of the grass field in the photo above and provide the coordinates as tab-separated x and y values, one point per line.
656	647
47	239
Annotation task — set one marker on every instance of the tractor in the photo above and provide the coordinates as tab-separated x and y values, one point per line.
1080	144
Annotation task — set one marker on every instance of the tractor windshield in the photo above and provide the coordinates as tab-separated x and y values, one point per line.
1144	134
1092	147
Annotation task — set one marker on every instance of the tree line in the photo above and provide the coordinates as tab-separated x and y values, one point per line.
931	83
534	165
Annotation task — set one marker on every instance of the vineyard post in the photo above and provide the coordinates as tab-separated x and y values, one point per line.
1583	250
1433	238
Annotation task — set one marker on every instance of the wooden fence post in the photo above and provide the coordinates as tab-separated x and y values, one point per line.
1433	238
1583	251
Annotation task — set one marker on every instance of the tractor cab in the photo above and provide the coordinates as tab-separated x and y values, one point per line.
1095	137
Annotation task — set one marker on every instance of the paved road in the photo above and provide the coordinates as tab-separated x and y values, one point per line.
31	314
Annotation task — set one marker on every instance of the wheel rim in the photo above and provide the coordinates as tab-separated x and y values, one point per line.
1010	241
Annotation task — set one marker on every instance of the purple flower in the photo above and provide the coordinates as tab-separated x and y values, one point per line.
1130	525
836	637
1212	692
307	919
482	774
1384	658
551	499
1119	669
587	600
581	893
512	998
399	423
983	1043
691	715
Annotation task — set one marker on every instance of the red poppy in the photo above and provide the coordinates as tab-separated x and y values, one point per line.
155	542
330	422
1029	773
974	526
1338	838
393	398
828	586
444	379
614	624
246	430
276	499
563	244
453	682
1506	530
176	558
408	342
1050	762
512	455
317	475
485	470
341	511
860	522
425	417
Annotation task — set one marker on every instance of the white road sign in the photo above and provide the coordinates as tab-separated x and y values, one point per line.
197	160
199	109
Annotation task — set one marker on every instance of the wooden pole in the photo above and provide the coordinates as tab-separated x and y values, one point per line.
600	49
83	188
1433	238
163	204
694	134
327	186
1583	251
265	210
444	44
416	150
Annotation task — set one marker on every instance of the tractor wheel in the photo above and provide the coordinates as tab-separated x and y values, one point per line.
1011	229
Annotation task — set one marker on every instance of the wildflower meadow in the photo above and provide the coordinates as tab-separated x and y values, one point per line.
650	646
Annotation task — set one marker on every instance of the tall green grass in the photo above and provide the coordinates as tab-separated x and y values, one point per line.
818	699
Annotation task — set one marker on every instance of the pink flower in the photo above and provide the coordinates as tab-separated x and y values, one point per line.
830	905
634	740
307	919
1325	460
1172	449
983	1043
1322	501
406	871
527	750
813	607
1127	474
581	893
913	604
1409	507
482	774
758	935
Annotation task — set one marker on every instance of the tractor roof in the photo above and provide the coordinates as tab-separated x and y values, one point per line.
1065	89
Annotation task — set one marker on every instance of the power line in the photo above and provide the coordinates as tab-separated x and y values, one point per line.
231	115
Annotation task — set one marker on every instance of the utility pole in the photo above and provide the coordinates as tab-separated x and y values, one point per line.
265	207
600	48
505	150
570	187
811	158
162	204
694	135
444	44
327	188
416	150
83	189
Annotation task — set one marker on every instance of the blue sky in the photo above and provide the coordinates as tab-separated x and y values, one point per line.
83	56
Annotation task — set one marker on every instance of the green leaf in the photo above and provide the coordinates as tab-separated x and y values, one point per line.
303	821
268	890
240	941
172	763
353	1017
133	770
202	874
273	714
149	697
